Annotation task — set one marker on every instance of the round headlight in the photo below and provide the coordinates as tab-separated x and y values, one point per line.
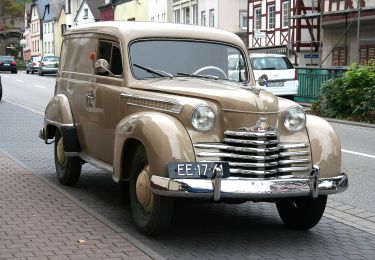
202	118
295	119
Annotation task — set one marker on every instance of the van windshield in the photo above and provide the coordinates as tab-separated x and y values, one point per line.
271	63
162	58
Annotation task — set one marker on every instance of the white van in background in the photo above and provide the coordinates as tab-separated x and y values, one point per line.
278	74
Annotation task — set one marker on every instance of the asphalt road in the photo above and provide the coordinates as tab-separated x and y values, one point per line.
204	231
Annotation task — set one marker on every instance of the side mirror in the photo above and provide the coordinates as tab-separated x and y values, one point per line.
262	81
101	66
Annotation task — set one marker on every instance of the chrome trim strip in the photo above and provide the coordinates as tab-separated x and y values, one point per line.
251	112
293	146
297	161
241	164
251	134
254	172
249	188
177	105
287	154
57	123
293	169
238	156
236	148
99	164
254	142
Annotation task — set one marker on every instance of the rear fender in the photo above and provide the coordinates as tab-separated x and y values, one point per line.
164	138
58	115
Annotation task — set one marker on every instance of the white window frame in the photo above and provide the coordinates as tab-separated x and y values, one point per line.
243	16
285	14
271	17
211	18
203	18
257	18
177	16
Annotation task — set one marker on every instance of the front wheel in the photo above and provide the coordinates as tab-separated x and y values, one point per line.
152	214
68	169
301	213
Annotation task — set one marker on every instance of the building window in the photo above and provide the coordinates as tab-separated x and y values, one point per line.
203	18
338	57
63	29
285	14
195	13
85	13
367	53
257	18
243	20
271	17
177	16
186	12
211	21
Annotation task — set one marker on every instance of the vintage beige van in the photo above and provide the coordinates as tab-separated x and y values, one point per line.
153	105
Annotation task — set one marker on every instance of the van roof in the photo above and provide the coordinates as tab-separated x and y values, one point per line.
131	30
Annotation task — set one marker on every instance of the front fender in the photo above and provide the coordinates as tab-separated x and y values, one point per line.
325	146
163	136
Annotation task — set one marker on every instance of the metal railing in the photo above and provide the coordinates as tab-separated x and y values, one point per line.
311	80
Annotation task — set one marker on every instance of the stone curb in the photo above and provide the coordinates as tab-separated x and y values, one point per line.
148	251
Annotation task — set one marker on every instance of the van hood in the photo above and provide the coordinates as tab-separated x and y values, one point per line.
235	97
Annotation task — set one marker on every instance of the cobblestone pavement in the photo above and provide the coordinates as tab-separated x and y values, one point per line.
38	222
198	230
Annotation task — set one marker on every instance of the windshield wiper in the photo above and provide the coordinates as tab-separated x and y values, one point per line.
160	73
198	76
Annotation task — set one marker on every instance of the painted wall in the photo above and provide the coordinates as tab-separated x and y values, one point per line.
137	10
82	18
48	38
61	20
36	43
205	6
160	10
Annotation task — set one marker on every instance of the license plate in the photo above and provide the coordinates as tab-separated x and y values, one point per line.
275	84
197	170
6	64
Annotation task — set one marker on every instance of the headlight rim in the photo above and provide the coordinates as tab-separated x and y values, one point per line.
304	123
192	114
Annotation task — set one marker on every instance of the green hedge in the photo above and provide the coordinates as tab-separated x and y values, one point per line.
350	97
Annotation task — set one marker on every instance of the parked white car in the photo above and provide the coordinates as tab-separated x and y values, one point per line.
277	74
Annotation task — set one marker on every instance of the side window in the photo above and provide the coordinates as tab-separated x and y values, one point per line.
112	54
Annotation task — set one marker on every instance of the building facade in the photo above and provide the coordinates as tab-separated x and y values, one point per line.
341	44
59	29
107	11
71	9
285	24
160	11
185	11
35	30
132	10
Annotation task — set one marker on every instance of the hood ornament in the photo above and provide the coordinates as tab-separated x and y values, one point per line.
262	125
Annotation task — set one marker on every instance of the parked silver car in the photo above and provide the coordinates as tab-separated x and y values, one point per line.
33	64
49	65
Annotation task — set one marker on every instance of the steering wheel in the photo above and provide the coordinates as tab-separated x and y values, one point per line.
210	68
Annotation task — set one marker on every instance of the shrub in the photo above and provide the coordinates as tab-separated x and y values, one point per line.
350	97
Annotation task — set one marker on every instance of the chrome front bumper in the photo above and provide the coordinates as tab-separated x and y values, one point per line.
250	188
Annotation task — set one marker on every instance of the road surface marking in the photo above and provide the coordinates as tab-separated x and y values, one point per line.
361	154
39	86
19	80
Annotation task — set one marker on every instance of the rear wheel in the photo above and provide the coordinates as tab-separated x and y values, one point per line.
152	214
40	73
68	169
1	90
301	213
14	71
32	72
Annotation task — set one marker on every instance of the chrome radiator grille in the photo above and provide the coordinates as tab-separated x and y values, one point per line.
256	154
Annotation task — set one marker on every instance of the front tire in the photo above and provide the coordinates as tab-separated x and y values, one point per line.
301	213
152	213
68	169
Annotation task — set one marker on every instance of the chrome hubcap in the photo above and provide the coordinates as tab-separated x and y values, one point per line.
60	151
143	192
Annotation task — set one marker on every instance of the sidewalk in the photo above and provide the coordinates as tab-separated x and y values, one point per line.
39	222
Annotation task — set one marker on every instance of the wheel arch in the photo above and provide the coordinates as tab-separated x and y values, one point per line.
164	138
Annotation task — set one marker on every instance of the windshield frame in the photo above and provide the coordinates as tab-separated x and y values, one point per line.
243	53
